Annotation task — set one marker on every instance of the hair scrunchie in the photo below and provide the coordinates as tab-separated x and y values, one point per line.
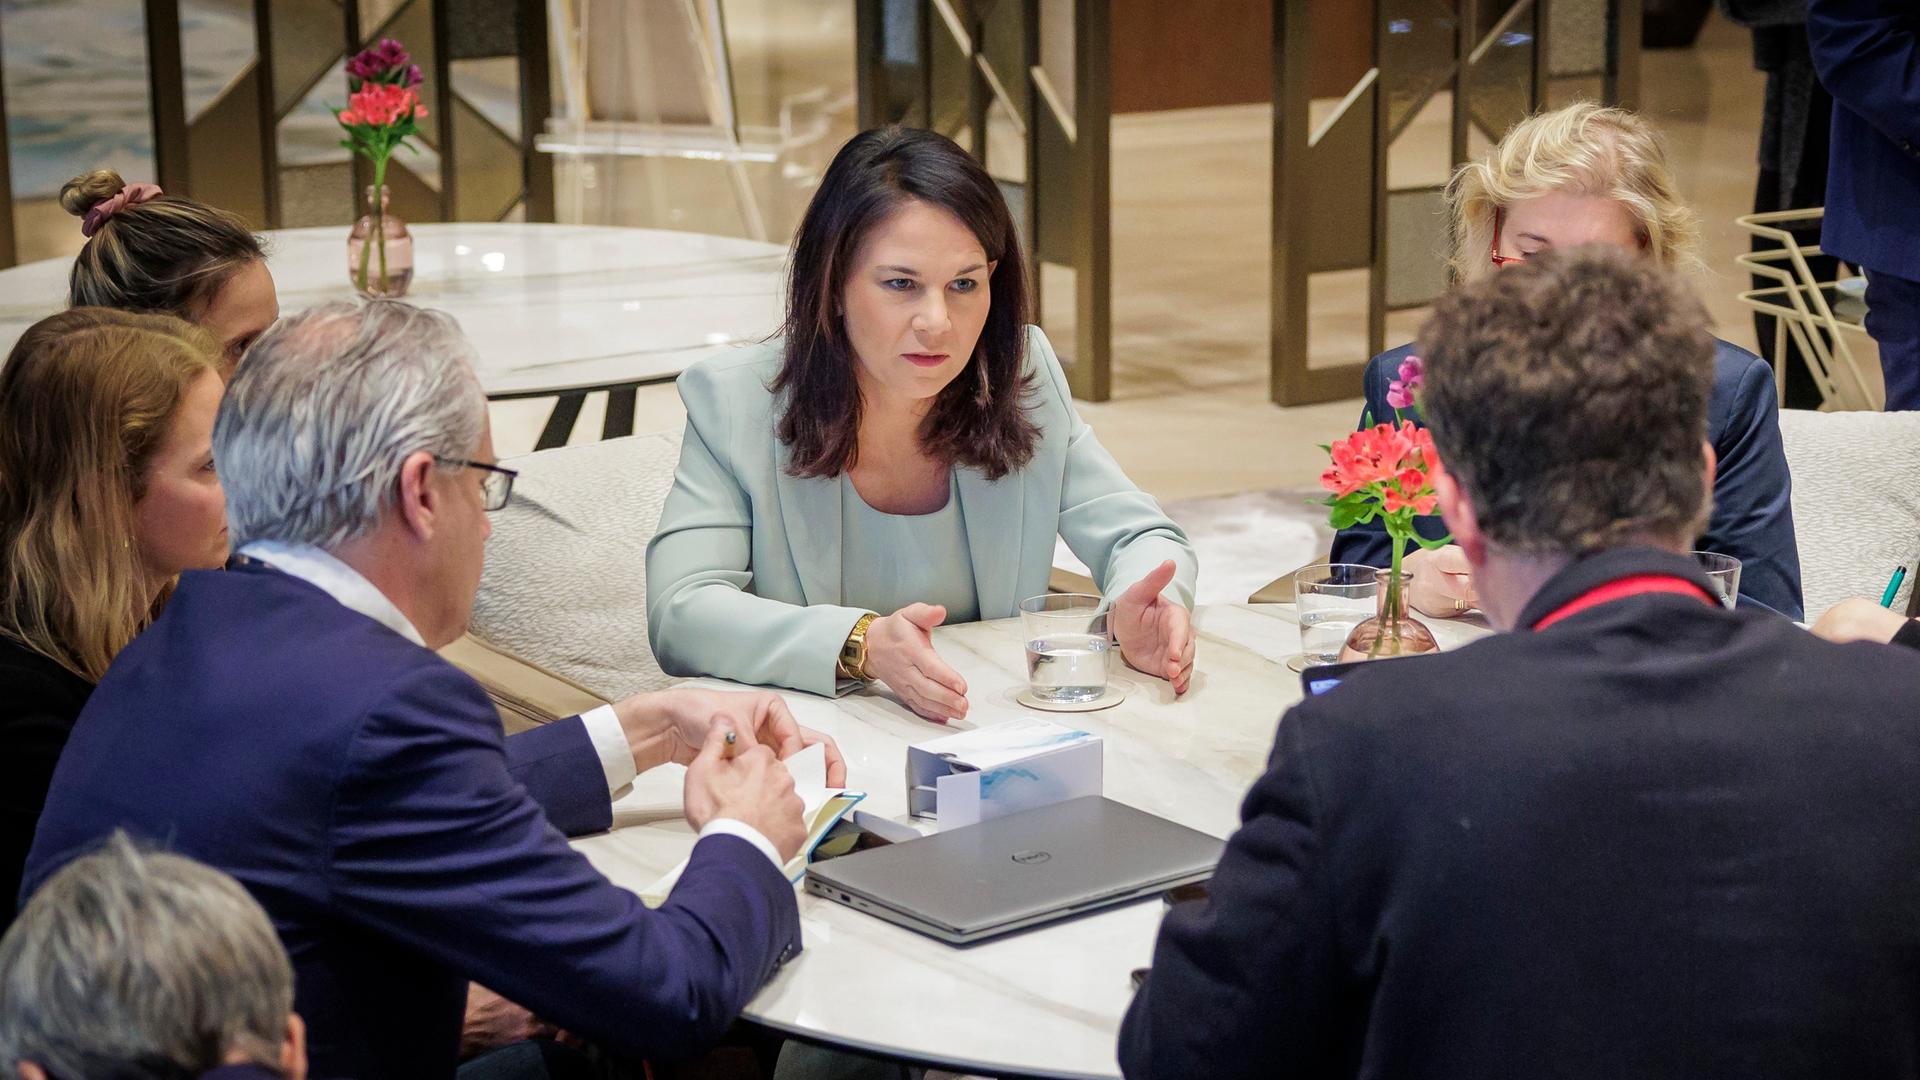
131	195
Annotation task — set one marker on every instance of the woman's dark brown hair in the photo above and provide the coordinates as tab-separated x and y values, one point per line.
980	419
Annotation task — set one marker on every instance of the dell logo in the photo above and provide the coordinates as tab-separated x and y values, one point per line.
1030	858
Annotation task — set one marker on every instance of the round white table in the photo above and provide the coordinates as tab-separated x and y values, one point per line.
1046	1002
552	310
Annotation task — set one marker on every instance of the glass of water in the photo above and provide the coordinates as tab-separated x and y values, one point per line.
1069	646
1724	572
1331	598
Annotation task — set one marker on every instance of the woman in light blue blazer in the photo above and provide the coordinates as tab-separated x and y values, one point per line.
904	455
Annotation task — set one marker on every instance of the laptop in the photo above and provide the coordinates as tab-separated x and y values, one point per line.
969	884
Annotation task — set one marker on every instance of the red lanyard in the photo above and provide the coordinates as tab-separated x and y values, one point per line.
1625	587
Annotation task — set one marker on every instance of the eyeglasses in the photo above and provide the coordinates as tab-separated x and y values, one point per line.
496	486
1499	219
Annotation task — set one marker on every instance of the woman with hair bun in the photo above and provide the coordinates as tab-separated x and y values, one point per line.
149	251
107	494
1592	174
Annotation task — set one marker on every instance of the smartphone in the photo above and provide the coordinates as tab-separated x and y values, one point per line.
1315	681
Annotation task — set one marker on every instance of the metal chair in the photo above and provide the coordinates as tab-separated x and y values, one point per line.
1817	316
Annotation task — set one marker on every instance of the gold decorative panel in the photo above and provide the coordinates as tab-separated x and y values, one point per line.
1011	81
1358	178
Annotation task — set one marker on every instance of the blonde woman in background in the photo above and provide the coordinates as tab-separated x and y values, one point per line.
107	494
149	251
1588	174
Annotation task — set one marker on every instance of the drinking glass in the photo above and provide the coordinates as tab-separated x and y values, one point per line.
1069	646
1330	599
1724	572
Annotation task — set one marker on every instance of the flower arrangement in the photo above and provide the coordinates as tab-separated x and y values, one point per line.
1385	472
1402	391
382	113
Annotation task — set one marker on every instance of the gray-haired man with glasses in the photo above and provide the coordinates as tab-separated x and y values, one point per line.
287	722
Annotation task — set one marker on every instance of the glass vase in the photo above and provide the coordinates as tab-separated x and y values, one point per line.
1391	631
380	249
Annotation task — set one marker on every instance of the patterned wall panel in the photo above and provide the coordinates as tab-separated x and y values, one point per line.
1009	80
1358	179
230	101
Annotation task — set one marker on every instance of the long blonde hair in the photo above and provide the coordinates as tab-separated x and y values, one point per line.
85	399
1584	148
169	254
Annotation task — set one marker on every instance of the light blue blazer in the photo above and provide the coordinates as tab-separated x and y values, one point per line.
743	576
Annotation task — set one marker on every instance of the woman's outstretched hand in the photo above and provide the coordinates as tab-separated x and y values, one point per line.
900	653
1154	633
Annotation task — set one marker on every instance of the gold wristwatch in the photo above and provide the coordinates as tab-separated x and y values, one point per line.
853	655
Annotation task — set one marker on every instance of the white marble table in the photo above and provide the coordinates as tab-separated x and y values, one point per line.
552	309
1047	1002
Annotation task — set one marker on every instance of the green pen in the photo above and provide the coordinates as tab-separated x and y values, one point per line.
1893	586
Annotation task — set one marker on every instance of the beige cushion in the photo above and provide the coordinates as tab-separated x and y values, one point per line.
566	583
1856	502
525	694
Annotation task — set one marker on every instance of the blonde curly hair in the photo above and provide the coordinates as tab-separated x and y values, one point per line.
1584	148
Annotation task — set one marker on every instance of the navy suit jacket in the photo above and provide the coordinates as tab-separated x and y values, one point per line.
1752	492
357	785
1868	55
1658	839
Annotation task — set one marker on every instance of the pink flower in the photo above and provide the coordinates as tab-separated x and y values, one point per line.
387	63
1392	501
380	104
1396	463
1368	457
376	63
1404	391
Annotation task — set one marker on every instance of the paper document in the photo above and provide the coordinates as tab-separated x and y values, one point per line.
822	808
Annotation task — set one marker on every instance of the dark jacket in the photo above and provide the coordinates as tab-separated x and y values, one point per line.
1658	839
1752	491
357	785
1868	56
39	701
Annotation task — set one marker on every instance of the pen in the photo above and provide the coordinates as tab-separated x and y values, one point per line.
1893	586
730	743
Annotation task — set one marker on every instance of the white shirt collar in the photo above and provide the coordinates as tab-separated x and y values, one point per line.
336	579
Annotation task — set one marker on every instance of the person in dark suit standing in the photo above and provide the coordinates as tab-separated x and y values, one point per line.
1868	56
1591	174
287	722
1637	835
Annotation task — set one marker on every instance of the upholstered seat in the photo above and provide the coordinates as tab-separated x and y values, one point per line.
1856	502
565	584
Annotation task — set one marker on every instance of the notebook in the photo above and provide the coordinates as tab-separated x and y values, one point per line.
822	809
